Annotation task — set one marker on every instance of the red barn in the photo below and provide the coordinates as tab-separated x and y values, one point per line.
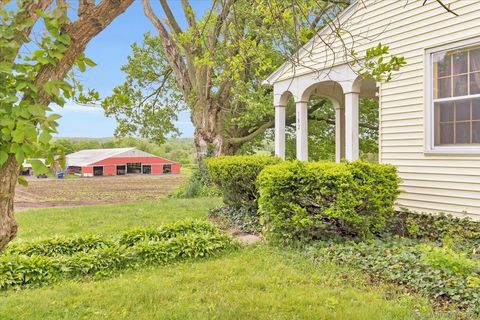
119	161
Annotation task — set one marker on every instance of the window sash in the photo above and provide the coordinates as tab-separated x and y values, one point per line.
453	71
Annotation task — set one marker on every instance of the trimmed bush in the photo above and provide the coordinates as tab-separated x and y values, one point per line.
236	177
302	201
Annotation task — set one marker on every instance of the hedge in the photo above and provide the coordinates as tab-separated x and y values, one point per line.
236	177
303	201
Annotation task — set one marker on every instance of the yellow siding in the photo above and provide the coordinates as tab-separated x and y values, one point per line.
431	183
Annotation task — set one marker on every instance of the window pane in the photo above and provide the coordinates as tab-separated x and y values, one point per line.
444	88
460	87
476	109
476	132
445	109
475	60
460	62
462	132
462	110
475	83
446	133
443	63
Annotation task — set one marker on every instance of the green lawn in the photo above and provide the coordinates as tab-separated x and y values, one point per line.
255	283
108	219
259	282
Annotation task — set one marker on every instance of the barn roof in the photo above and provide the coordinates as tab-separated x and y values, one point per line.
87	157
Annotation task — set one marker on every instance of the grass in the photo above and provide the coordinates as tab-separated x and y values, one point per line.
107	219
254	283
259	282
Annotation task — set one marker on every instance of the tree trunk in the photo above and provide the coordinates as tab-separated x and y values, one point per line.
8	180
209	137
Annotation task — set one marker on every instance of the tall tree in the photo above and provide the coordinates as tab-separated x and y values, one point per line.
214	67
39	45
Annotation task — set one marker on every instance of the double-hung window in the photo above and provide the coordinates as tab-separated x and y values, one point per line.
455	98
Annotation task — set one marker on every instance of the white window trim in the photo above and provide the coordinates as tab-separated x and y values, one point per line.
430	147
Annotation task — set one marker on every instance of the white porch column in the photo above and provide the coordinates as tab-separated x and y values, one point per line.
339	132
351	125
280	131
302	130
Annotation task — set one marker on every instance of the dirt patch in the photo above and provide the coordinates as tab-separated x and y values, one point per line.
90	191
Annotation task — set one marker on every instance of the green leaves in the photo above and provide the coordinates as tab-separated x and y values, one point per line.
301	201
374	67
38	166
6	67
45	261
26	126
3	157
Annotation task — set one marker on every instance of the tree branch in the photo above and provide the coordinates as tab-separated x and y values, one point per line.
80	32
189	14
444	6
27	12
172	22
260	130
171	50
84	6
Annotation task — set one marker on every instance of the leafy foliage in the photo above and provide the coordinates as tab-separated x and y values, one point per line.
305	201
199	185
27	124
59	246
428	270
236	177
34	264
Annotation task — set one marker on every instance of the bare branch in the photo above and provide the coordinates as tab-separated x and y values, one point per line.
444	6
189	14
171	49
172	22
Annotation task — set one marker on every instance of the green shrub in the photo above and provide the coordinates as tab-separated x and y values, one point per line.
134	249
236	177
310	200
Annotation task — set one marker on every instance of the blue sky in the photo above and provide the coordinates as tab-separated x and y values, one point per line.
110	50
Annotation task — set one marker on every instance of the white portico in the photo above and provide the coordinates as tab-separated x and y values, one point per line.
342	86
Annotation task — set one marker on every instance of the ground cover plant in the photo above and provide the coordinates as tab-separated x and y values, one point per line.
259	282
37	263
435	255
